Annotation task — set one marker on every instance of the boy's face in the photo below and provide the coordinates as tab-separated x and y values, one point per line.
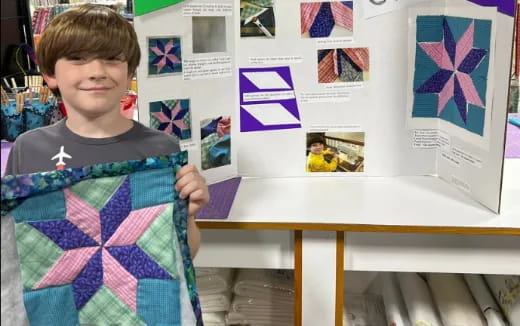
90	87
316	148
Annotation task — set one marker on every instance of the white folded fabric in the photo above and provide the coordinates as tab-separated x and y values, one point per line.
204	271
271	285
246	304
215	283
363	309
418	300
396	314
236	318
215	302
214	318
454	301
484	299
506	290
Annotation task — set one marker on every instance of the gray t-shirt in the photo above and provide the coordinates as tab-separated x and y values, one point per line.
39	150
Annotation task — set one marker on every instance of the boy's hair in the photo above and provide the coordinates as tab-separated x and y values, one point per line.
315	138
88	31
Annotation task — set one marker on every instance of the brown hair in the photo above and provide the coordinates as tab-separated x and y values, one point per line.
91	31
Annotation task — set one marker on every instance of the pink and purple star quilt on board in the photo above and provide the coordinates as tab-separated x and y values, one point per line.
451	70
104	244
164	55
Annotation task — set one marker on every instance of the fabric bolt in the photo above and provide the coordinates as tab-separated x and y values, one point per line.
164	55
396	313
236	318
214	318
215	302
97	261
319	18
418	300
276	286
171	117
484	299
506	291
215	283
453	300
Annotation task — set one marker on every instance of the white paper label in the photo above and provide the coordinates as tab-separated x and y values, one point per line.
425	138
450	158
276	60
208	9
206	68
348	85
335	127
335	96
460	184
268	96
189	145
333	41
444	140
467	157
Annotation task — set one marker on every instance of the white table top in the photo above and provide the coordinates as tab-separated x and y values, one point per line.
411	201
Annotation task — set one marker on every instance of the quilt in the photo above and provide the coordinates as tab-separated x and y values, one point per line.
104	244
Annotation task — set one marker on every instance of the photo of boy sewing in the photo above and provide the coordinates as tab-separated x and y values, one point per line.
320	159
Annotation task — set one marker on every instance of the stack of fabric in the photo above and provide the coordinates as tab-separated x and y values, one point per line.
262	297
214	288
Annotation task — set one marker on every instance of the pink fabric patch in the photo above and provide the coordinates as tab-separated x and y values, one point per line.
119	280
465	44
469	90
360	57
161	117
82	215
308	13
67	267
180	124
342	15
161	64
326	72
446	94
224	127
156	50
134	226
438	53
168	46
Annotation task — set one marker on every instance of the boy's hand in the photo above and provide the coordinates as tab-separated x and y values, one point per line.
191	183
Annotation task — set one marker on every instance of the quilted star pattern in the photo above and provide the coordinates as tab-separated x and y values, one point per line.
319	18
164	55
452	59
343	65
171	117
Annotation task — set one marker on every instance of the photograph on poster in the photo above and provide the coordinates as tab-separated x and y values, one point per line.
257	18
335	151
451	70
326	19
172	117
209	34
164	55
343	65
215	142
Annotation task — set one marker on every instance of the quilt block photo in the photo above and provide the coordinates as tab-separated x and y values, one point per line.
343	65
164	55
104	244
172	117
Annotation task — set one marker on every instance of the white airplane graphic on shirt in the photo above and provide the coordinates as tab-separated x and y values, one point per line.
60	156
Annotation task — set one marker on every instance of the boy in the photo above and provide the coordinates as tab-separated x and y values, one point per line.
317	161
89	55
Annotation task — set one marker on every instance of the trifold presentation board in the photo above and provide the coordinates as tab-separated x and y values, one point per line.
363	88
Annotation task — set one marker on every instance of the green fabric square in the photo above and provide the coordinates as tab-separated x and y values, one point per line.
158	240
158	302
50	206
205	146
37	253
97	192
152	187
106	309
51	306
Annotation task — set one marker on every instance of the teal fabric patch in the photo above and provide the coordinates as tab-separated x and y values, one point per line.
429	28
425	67
51	306
158	302
482	34
451	114
425	106
458	25
476	116
44	207
152	187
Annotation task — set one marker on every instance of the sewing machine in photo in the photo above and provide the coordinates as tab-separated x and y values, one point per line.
335	152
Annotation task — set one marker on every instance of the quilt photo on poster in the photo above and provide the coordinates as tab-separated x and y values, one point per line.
319	19
164	55
172	117
343	65
451	70
104	244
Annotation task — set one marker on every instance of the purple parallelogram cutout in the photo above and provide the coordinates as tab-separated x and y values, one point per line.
247	121
504	6
221	196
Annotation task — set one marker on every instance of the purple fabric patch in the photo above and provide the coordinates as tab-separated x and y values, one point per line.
472	60
323	23
449	41
6	148
436	82
138	263
513	138
115	211
460	100
64	234
88	281
349	4
221	196
504	6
